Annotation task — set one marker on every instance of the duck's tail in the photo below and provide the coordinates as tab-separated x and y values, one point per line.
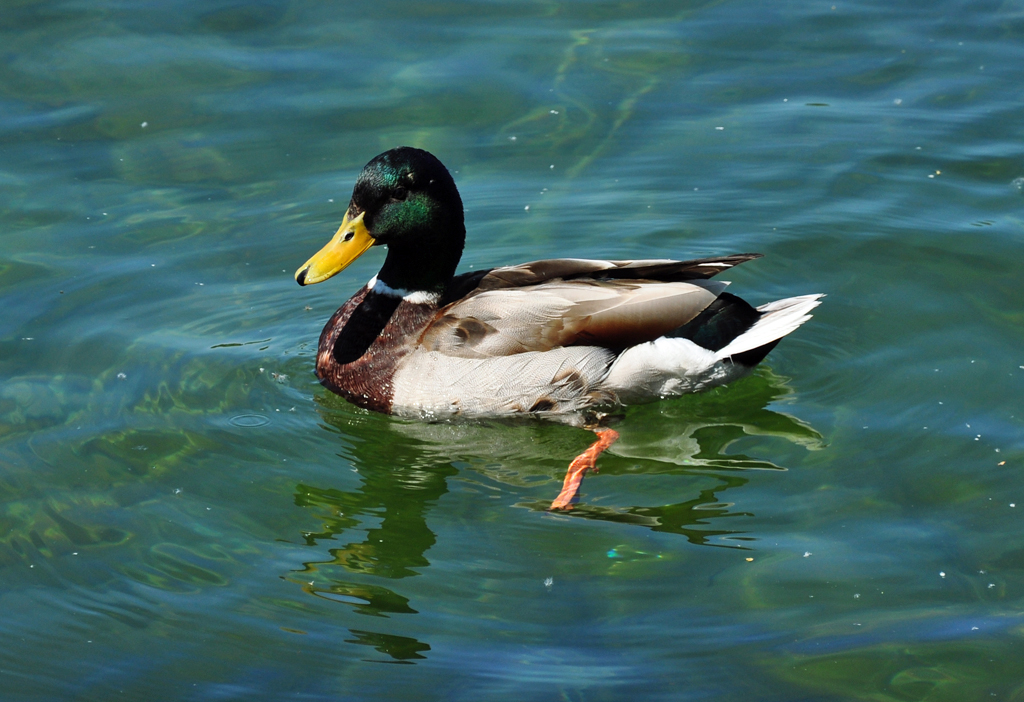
777	319
702	358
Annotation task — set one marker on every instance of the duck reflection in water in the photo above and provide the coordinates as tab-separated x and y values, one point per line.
404	469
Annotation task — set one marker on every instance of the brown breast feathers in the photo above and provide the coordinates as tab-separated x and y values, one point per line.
363	343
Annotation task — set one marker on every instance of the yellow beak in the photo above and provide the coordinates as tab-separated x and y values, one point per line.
351	242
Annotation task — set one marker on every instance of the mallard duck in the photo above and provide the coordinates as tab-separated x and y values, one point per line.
553	338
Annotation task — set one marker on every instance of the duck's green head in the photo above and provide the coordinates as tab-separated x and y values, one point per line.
405	199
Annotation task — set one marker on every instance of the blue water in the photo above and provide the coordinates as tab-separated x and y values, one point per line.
185	514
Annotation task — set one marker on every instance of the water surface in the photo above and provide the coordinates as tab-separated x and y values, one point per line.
185	514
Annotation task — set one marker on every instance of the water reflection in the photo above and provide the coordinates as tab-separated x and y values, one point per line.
401	648
390	505
404	469
693	436
683	518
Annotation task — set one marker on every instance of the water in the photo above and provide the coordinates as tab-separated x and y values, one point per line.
186	515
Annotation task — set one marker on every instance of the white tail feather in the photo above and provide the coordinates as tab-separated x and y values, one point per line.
778	319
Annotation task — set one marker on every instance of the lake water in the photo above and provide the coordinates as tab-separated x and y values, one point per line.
185	514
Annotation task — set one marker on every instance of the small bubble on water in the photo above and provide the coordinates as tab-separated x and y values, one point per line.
121	376
1018	183
548	582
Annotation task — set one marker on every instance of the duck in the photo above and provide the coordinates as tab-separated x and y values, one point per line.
569	339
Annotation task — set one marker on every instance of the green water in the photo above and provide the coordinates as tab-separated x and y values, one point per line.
185	514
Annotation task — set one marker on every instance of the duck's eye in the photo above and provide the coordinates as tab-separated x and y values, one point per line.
400	193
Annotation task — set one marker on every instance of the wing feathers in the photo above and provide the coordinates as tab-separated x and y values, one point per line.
647	312
663	270
612	313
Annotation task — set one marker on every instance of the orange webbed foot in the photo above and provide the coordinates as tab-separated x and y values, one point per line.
580	465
